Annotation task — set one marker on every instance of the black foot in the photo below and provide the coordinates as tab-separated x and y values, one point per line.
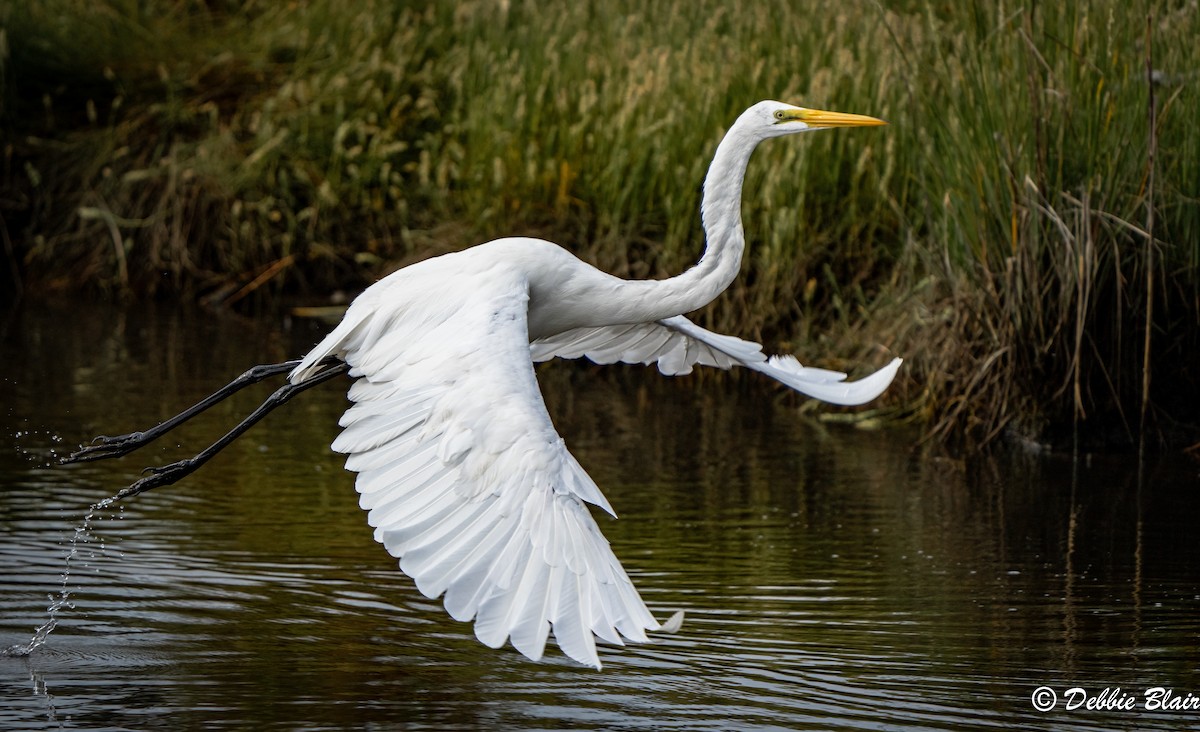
159	476
105	447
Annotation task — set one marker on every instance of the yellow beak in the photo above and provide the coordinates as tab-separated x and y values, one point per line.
819	118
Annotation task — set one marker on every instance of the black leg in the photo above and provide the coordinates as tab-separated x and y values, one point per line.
168	474
107	447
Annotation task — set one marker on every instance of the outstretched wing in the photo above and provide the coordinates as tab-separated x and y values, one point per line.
676	344
464	477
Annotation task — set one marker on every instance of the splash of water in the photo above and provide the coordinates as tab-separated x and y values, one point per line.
83	534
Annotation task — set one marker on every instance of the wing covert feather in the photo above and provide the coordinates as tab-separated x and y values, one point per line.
677	344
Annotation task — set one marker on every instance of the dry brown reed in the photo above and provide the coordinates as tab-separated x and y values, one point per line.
1024	233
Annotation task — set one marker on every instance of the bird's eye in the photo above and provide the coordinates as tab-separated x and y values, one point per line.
779	114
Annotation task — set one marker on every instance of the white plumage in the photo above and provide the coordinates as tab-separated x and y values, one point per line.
464	477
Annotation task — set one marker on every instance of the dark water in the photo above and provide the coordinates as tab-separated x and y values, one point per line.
832	578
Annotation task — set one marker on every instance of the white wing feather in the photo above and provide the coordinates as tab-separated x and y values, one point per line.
463	476
676	344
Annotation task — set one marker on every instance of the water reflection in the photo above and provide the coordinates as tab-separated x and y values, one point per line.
833	579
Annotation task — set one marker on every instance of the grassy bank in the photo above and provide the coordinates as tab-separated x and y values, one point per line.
1015	233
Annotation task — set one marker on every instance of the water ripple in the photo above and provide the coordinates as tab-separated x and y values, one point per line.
831	581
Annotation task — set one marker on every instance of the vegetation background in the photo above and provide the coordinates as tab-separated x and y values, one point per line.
1025	233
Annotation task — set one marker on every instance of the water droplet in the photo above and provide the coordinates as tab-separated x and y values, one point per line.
61	599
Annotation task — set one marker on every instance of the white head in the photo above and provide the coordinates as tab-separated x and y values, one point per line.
774	119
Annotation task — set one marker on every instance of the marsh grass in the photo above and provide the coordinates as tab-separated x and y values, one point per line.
1044	185
995	234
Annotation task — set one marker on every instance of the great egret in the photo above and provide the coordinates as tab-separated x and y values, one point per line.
462	473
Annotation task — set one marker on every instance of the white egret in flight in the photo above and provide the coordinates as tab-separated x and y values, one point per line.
464	477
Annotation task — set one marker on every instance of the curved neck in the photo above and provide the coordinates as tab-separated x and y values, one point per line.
721	214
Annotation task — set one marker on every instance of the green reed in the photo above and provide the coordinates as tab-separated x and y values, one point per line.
994	234
1037	118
